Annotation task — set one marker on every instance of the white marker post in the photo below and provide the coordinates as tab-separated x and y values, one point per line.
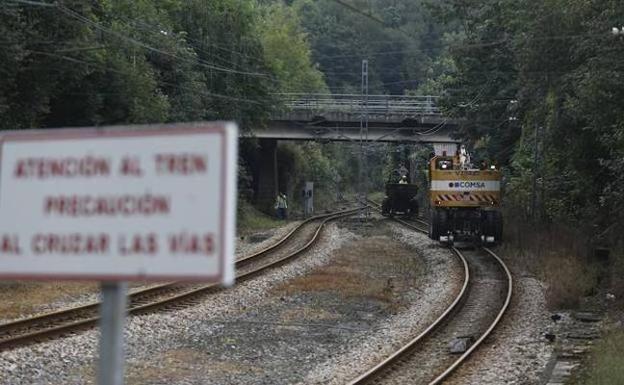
116	204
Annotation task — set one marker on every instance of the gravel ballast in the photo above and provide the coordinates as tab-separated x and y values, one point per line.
437	289
324	318
277	328
72	360
516	352
244	246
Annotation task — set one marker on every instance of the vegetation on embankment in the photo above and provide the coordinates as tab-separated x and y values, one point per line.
539	84
606	364
556	256
23	298
250	220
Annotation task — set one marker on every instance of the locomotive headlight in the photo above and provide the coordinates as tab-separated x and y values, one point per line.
492	167
444	166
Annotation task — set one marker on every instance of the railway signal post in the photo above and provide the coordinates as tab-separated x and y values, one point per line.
117	204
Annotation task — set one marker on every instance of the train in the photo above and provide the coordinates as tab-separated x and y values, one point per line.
464	200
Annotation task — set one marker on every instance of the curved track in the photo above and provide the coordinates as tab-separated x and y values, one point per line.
173	295
476	312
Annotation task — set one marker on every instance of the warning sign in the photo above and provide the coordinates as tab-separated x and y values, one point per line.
119	203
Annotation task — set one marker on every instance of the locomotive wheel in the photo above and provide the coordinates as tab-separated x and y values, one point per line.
385	207
492	225
438	224
498	226
443	225
413	210
433	226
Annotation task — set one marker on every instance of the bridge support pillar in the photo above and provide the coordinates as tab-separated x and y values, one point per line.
267	175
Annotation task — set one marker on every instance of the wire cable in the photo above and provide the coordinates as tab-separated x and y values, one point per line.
99	67
77	16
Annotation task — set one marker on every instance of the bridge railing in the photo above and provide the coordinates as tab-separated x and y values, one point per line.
352	103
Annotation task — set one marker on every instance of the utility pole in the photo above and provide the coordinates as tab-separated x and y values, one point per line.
363	139
535	171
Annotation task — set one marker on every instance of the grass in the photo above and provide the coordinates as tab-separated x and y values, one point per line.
606	363
376	270
21	297
251	219
558	256
377	196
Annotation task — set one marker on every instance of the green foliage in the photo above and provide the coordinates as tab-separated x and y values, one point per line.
106	62
551	64
287	51
121	61
250	220
606	366
398	39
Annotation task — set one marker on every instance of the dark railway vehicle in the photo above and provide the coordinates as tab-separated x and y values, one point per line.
464	200
400	199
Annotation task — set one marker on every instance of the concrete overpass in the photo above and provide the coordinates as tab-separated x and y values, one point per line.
406	119
338	118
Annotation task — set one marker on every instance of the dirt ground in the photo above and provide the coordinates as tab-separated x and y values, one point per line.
21	298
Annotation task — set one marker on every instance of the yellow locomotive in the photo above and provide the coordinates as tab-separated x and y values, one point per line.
464	200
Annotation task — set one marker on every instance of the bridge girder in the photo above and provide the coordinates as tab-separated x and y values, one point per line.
426	130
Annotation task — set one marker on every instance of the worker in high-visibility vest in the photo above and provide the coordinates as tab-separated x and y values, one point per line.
281	205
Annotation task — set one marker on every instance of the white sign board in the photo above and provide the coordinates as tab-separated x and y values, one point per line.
119	203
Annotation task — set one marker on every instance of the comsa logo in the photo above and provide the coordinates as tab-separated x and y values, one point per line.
467	184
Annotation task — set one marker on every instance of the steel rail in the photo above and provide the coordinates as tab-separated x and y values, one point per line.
252	273
433	326
444	375
65	315
411	344
154	288
404	222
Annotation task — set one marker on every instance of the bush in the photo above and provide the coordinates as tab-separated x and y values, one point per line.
606	365
250	219
555	254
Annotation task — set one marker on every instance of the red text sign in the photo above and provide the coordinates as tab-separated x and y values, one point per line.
119	203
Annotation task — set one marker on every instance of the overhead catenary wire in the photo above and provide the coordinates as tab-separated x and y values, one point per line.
147	27
370	16
136	42
33	3
98	66
150	28
77	16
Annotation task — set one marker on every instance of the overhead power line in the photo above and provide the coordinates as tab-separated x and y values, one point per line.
77	16
151	28
134	41
370	17
34	3
100	67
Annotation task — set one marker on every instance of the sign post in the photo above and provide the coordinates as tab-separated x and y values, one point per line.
116	204
113	312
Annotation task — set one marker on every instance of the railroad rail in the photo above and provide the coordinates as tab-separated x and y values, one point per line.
171	295
425	342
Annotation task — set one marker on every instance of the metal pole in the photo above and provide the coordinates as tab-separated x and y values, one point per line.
366	144
113	314
535	168
363	139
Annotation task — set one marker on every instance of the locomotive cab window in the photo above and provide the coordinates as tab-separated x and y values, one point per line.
444	164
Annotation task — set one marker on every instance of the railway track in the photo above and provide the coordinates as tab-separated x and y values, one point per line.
473	315
167	296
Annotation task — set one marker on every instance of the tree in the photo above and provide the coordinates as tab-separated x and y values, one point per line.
287	51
